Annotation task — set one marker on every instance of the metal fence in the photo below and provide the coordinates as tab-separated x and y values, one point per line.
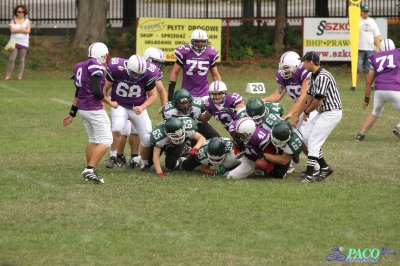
62	13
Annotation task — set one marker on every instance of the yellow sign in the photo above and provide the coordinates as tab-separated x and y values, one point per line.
167	34
319	42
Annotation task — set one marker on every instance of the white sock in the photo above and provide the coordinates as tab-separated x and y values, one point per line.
113	153
137	159
144	163
316	167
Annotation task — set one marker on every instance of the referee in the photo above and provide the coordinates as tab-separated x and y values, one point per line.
323	96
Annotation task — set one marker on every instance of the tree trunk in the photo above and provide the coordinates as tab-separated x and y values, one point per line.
280	25
91	23
248	12
129	13
321	8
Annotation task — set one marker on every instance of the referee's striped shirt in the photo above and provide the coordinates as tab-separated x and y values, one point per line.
323	86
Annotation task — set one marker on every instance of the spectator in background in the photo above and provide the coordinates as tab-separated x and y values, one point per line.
369	36
195	61
20	27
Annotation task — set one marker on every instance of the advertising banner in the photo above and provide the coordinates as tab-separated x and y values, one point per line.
330	37
167	34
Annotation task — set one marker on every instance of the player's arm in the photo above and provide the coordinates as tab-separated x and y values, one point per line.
172	80
163	94
277	95
72	113
204	117
156	159
151	96
214	73
201	140
278	159
377	43
296	106
304	104
368	83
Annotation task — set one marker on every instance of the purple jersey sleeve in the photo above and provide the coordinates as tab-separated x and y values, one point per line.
126	92
83	73
387	70
195	68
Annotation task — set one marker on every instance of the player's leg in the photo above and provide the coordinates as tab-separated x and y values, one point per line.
142	124
190	163
379	104
243	170
395	101
173	159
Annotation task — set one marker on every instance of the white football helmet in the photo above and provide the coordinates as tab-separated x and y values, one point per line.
215	88
246	127
156	56
387	45
288	64
199	35
136	64
99	51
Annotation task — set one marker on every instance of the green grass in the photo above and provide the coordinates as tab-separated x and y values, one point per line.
50	216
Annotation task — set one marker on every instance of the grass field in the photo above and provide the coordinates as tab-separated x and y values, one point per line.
50	216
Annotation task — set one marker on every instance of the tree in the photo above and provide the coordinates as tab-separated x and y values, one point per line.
91	23
280	25
321	8
128	11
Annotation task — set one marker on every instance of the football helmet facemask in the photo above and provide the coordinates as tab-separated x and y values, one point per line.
199	41
281	133
156	56
136	67
175	130
245	129
100	52
288	64
217	87
216	151
181	98
255	109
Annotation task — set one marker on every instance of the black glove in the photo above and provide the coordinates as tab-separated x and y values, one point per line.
171	88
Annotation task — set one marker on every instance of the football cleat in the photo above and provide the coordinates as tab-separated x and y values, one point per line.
396	131
91	175
307	179
290	169
111	161
315	172
146	169
324	173
121	161
360	137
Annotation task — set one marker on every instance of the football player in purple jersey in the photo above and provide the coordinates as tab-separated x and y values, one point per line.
386	73
89	97
251	142
195	61
293	79
133	84
221	104
157	57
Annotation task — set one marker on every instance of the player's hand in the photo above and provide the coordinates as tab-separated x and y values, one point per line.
160	109
67	120
114	105
194	151
161	174
138	109
287	117
365	104
221	170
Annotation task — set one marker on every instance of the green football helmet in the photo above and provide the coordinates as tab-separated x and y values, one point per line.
256	110
175	130
216	151
182	96
281	133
